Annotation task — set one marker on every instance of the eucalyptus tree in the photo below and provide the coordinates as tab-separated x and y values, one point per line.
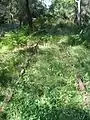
78	11
29	9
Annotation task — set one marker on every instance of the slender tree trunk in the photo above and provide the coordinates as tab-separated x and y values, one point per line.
78	11
29	14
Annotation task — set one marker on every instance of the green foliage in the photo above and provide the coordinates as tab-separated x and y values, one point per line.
13	39
47	89
43	84
63	9
85	13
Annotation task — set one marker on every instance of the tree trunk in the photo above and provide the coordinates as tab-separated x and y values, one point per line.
29	14
78	11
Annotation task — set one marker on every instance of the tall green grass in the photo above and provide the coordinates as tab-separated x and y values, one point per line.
47	90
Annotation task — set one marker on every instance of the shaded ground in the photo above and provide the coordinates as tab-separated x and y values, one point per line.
8	27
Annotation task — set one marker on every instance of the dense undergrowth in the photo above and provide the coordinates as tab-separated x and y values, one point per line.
42	85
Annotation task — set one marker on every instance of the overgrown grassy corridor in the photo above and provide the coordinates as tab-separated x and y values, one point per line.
42	85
